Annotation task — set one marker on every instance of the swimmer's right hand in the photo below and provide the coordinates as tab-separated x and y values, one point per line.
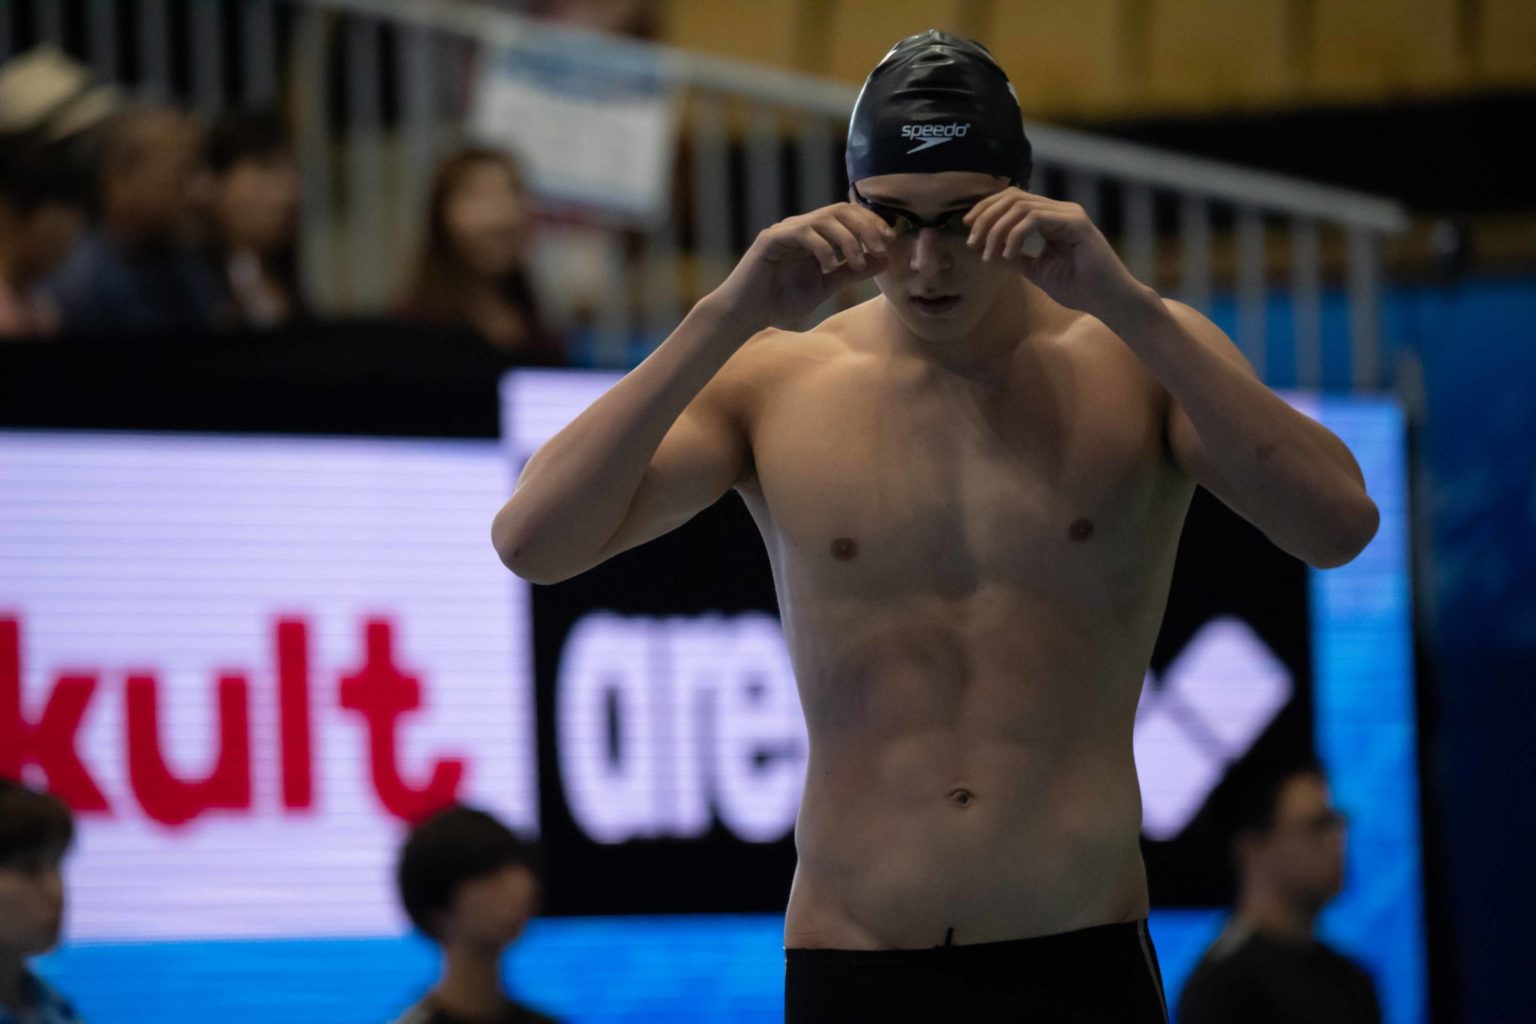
798	263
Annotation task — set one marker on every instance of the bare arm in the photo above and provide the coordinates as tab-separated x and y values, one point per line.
669	439
1280	469
641	460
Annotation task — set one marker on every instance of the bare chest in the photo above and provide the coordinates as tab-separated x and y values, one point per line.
877	486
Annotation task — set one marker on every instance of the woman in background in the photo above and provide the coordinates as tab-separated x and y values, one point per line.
256	204
472	269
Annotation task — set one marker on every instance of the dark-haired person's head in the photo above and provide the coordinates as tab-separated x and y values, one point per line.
1287	837
479	214
256	190
43	191
472	270
935	129
153	185
36	830
466	880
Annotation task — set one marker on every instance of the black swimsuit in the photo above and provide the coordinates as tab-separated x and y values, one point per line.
1105	973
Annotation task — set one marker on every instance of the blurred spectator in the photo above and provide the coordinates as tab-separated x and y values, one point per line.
139	268
1267	966
47	92
471	886
41	216
49	108
35	832
472	269
255	209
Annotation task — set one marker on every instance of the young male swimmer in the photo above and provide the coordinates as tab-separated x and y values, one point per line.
971	489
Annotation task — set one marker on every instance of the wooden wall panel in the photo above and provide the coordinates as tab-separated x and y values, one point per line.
1506	43
1065	59
1380	50
860	32
1219	55
764	31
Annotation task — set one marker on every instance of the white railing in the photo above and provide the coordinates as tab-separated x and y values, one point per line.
366	169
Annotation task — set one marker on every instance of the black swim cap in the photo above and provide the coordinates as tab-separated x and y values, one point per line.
937	102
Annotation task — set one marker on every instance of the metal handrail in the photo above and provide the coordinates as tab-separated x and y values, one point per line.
364	186
1052	144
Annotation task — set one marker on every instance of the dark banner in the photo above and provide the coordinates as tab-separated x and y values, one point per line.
1230	681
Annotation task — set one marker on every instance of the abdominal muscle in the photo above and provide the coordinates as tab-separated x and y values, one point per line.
967	782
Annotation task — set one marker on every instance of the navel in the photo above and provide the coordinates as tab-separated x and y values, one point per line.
962	797
1081	530
845	549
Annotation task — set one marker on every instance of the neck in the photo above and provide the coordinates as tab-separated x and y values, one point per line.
471	983
1266	910
486	291
12	967
132	235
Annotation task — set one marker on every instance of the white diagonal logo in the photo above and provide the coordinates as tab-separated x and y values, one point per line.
1217	697
928	144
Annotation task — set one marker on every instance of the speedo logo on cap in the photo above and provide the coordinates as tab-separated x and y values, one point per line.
930	135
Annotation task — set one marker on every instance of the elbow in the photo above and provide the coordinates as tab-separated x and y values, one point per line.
520	553
508	543
1352	530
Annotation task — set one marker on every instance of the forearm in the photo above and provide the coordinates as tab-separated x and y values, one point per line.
1284	471
576	490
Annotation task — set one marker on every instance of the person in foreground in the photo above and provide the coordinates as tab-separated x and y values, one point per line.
471	886
1267	966
971	488
36	830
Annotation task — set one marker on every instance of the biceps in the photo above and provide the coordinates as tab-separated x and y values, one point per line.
1185	447
1190	454
701	458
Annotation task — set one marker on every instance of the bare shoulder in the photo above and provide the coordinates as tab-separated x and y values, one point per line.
1207	333
1109	379
1088	339
1108	354
774	359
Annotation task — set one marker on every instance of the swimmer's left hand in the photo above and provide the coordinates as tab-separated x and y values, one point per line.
1055	246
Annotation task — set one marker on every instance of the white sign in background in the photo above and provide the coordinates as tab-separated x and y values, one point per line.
175	557
593	123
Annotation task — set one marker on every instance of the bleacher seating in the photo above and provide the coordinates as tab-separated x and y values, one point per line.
1150	57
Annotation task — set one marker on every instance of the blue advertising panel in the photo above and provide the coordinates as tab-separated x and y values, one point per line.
309	637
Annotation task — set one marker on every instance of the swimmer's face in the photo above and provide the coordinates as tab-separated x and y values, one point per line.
935	282
490	911
1303	853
